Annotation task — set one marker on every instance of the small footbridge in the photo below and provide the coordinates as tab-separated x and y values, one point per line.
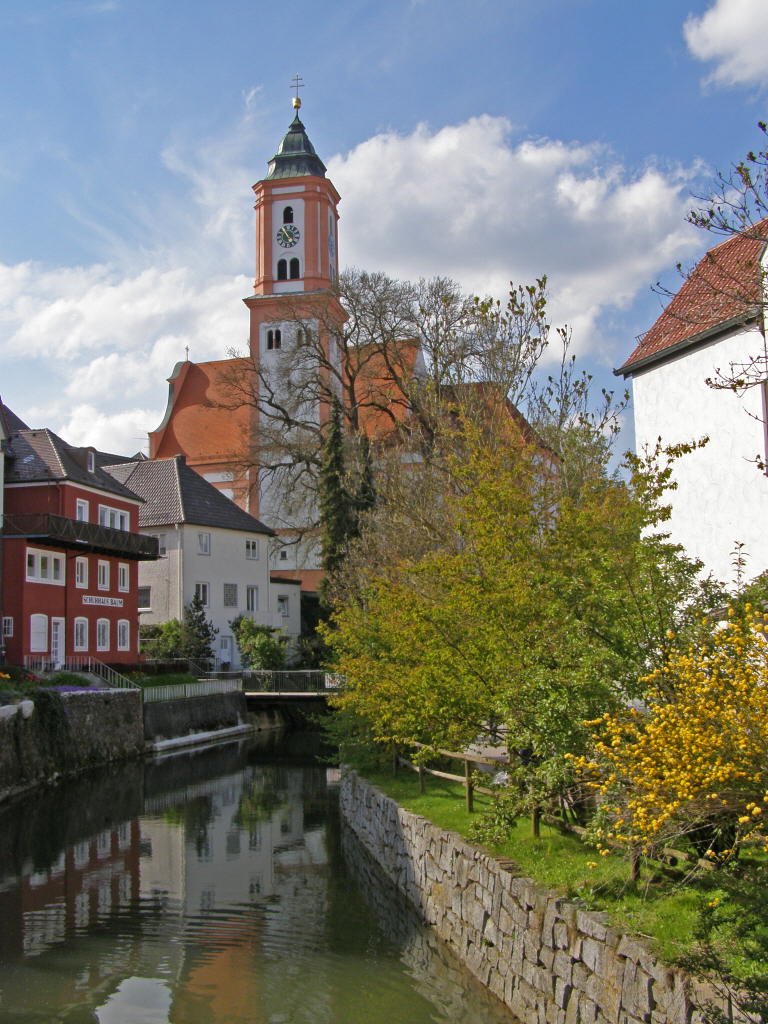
267	689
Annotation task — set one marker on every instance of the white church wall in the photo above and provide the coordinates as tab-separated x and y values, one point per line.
721	496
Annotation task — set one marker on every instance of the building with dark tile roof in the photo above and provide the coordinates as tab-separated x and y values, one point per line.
70	547
712	328
209	547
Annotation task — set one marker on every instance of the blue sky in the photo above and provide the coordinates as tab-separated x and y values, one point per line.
486	141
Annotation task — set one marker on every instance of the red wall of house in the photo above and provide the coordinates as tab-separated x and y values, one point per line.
22	598
61	498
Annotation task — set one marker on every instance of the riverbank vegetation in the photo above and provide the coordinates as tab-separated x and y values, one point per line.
513	580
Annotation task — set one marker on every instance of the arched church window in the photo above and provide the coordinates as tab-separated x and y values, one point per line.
288	215
278	338
295	269
282	270
274	339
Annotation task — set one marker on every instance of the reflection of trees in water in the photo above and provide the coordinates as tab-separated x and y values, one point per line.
263	795
436	972
51	818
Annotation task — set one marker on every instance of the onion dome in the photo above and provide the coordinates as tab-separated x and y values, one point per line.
296	155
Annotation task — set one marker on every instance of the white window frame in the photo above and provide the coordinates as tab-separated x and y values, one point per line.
203	543
114	518
145	607
81	572
80	634
123	635
38	631
91	462
203	591
123	577
103	575
251	598
252	548
82	510
283	605
48	562
102	634
7	625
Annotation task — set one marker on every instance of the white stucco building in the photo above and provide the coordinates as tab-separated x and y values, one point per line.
713	326
208	547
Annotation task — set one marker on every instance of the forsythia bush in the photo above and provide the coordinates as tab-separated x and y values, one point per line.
694	761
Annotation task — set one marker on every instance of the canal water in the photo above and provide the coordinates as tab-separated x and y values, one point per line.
211	887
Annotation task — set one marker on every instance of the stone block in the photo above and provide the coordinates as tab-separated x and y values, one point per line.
546	957
560	937
531	946
579	975
551	917
592	923
563	993
562	967
525	892
592	955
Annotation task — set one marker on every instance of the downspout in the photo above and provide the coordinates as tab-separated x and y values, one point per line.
179	567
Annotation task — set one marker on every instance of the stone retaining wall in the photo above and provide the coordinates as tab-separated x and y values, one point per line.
549	960
168	719
67	733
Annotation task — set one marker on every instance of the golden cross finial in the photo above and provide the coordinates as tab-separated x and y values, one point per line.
296	84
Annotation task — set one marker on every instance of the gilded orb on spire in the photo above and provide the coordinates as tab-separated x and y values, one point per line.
296	84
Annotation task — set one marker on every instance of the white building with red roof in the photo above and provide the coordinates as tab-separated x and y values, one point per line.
712	327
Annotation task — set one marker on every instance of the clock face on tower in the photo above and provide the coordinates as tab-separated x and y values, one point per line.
288	235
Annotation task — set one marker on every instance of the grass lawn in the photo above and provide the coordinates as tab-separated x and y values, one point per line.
657	906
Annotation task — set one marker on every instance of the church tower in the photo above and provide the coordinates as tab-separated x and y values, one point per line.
295	318
295	315
296	245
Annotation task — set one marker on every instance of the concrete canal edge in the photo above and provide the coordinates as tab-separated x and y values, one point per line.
41	742
52	739
547	958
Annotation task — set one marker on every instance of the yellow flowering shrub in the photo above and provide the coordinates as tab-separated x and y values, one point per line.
693	761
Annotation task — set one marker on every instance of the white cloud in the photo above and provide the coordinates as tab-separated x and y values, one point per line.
122	433
733	33
469	202
96	343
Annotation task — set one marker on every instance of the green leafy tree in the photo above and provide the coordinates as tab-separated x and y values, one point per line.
261	647
539	612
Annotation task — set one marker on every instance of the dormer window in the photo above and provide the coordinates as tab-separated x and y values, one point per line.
91	462
288	215
295	268
274	339
282	270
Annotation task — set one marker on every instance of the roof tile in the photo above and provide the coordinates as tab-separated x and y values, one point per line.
723	286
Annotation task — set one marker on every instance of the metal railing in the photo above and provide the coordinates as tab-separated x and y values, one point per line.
73	533
289	681
180	691
84	663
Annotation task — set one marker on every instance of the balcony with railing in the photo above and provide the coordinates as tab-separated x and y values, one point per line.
60	532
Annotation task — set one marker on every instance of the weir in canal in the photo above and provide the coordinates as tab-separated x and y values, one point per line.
212	887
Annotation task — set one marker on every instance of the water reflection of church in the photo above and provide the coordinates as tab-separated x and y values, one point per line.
212	875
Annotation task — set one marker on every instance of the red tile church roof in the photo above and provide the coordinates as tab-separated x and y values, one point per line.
721	291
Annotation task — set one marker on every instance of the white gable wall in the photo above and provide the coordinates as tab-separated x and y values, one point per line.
173	579
721	496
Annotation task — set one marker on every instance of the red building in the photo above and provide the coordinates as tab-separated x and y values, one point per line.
70	553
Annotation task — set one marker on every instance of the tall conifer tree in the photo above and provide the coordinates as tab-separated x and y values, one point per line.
336	511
